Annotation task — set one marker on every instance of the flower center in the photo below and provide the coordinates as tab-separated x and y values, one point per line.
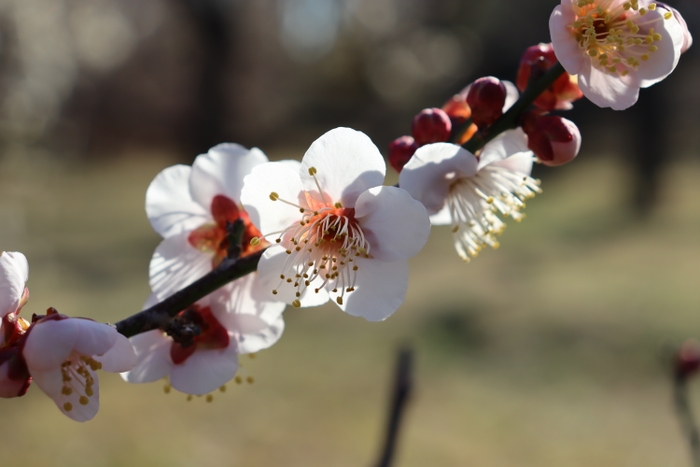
211	335
475	203
213	238
615	37
322	247
76	372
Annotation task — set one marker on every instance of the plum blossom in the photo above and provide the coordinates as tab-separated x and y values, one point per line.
190	208
469	192
336	232
232	320
616	47
63	355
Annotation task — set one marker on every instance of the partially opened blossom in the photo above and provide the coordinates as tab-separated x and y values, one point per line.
232	321
63	355
335	231
469	192
191	208
14	272
616	47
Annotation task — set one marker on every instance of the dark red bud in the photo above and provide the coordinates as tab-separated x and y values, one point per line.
553	139
431	126
400	151
536	60
486	97
687	359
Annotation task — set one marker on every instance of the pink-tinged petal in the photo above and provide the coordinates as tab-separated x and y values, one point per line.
512	95
395	225
14	272
604	90
662	62
169	206
152	357
518	162
93	338
244	296
431	171
121	357
49	344
205	370
347	163
51	382
267	215
10	387
566	48
254	334
175	264
221	171
379	291
442	217
503	146
271	266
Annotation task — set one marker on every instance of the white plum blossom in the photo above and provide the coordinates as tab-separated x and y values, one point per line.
190	207
14	273
616	47
63	355
469	192
233	321
335	231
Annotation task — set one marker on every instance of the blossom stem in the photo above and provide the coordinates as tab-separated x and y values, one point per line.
161	313
511	118
685	416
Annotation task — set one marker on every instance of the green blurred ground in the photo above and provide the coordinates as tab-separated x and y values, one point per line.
547	352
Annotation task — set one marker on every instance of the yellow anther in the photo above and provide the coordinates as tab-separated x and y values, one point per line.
645	57
89	392
642	11
238	380
312	171
652	6
255	241
653	48
222	388
274	196
339	300
209	398
592	52
668	15
250	380
66	391
166	388
656	36
84	400
338	205
67	406
296	304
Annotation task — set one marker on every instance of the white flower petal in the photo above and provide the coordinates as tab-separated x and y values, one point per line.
662	62
121	357
518	162
93	338
254	334
271	266
51	382
396	225
169	206
152	357
565	46
221	171
205	370
347	163
605	90
244	296
432	169
175	264
49	344
380	289
14	272
502	146
442	217
267	215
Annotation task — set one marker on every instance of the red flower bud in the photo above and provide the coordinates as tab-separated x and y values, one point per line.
400	151
486	97
534	63
431	126
553	139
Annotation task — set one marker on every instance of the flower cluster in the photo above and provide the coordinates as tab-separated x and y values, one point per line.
326	228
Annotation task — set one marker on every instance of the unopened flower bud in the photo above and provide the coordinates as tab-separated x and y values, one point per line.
486	97
687	359
559	95
431	126
553	139
457	108
400	151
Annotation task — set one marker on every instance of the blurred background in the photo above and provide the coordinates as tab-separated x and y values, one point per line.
551	351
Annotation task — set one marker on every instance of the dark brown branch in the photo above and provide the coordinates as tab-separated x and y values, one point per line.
681	402
158	315
403	387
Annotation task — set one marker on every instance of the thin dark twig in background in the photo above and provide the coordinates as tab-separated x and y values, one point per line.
403	387
685	415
